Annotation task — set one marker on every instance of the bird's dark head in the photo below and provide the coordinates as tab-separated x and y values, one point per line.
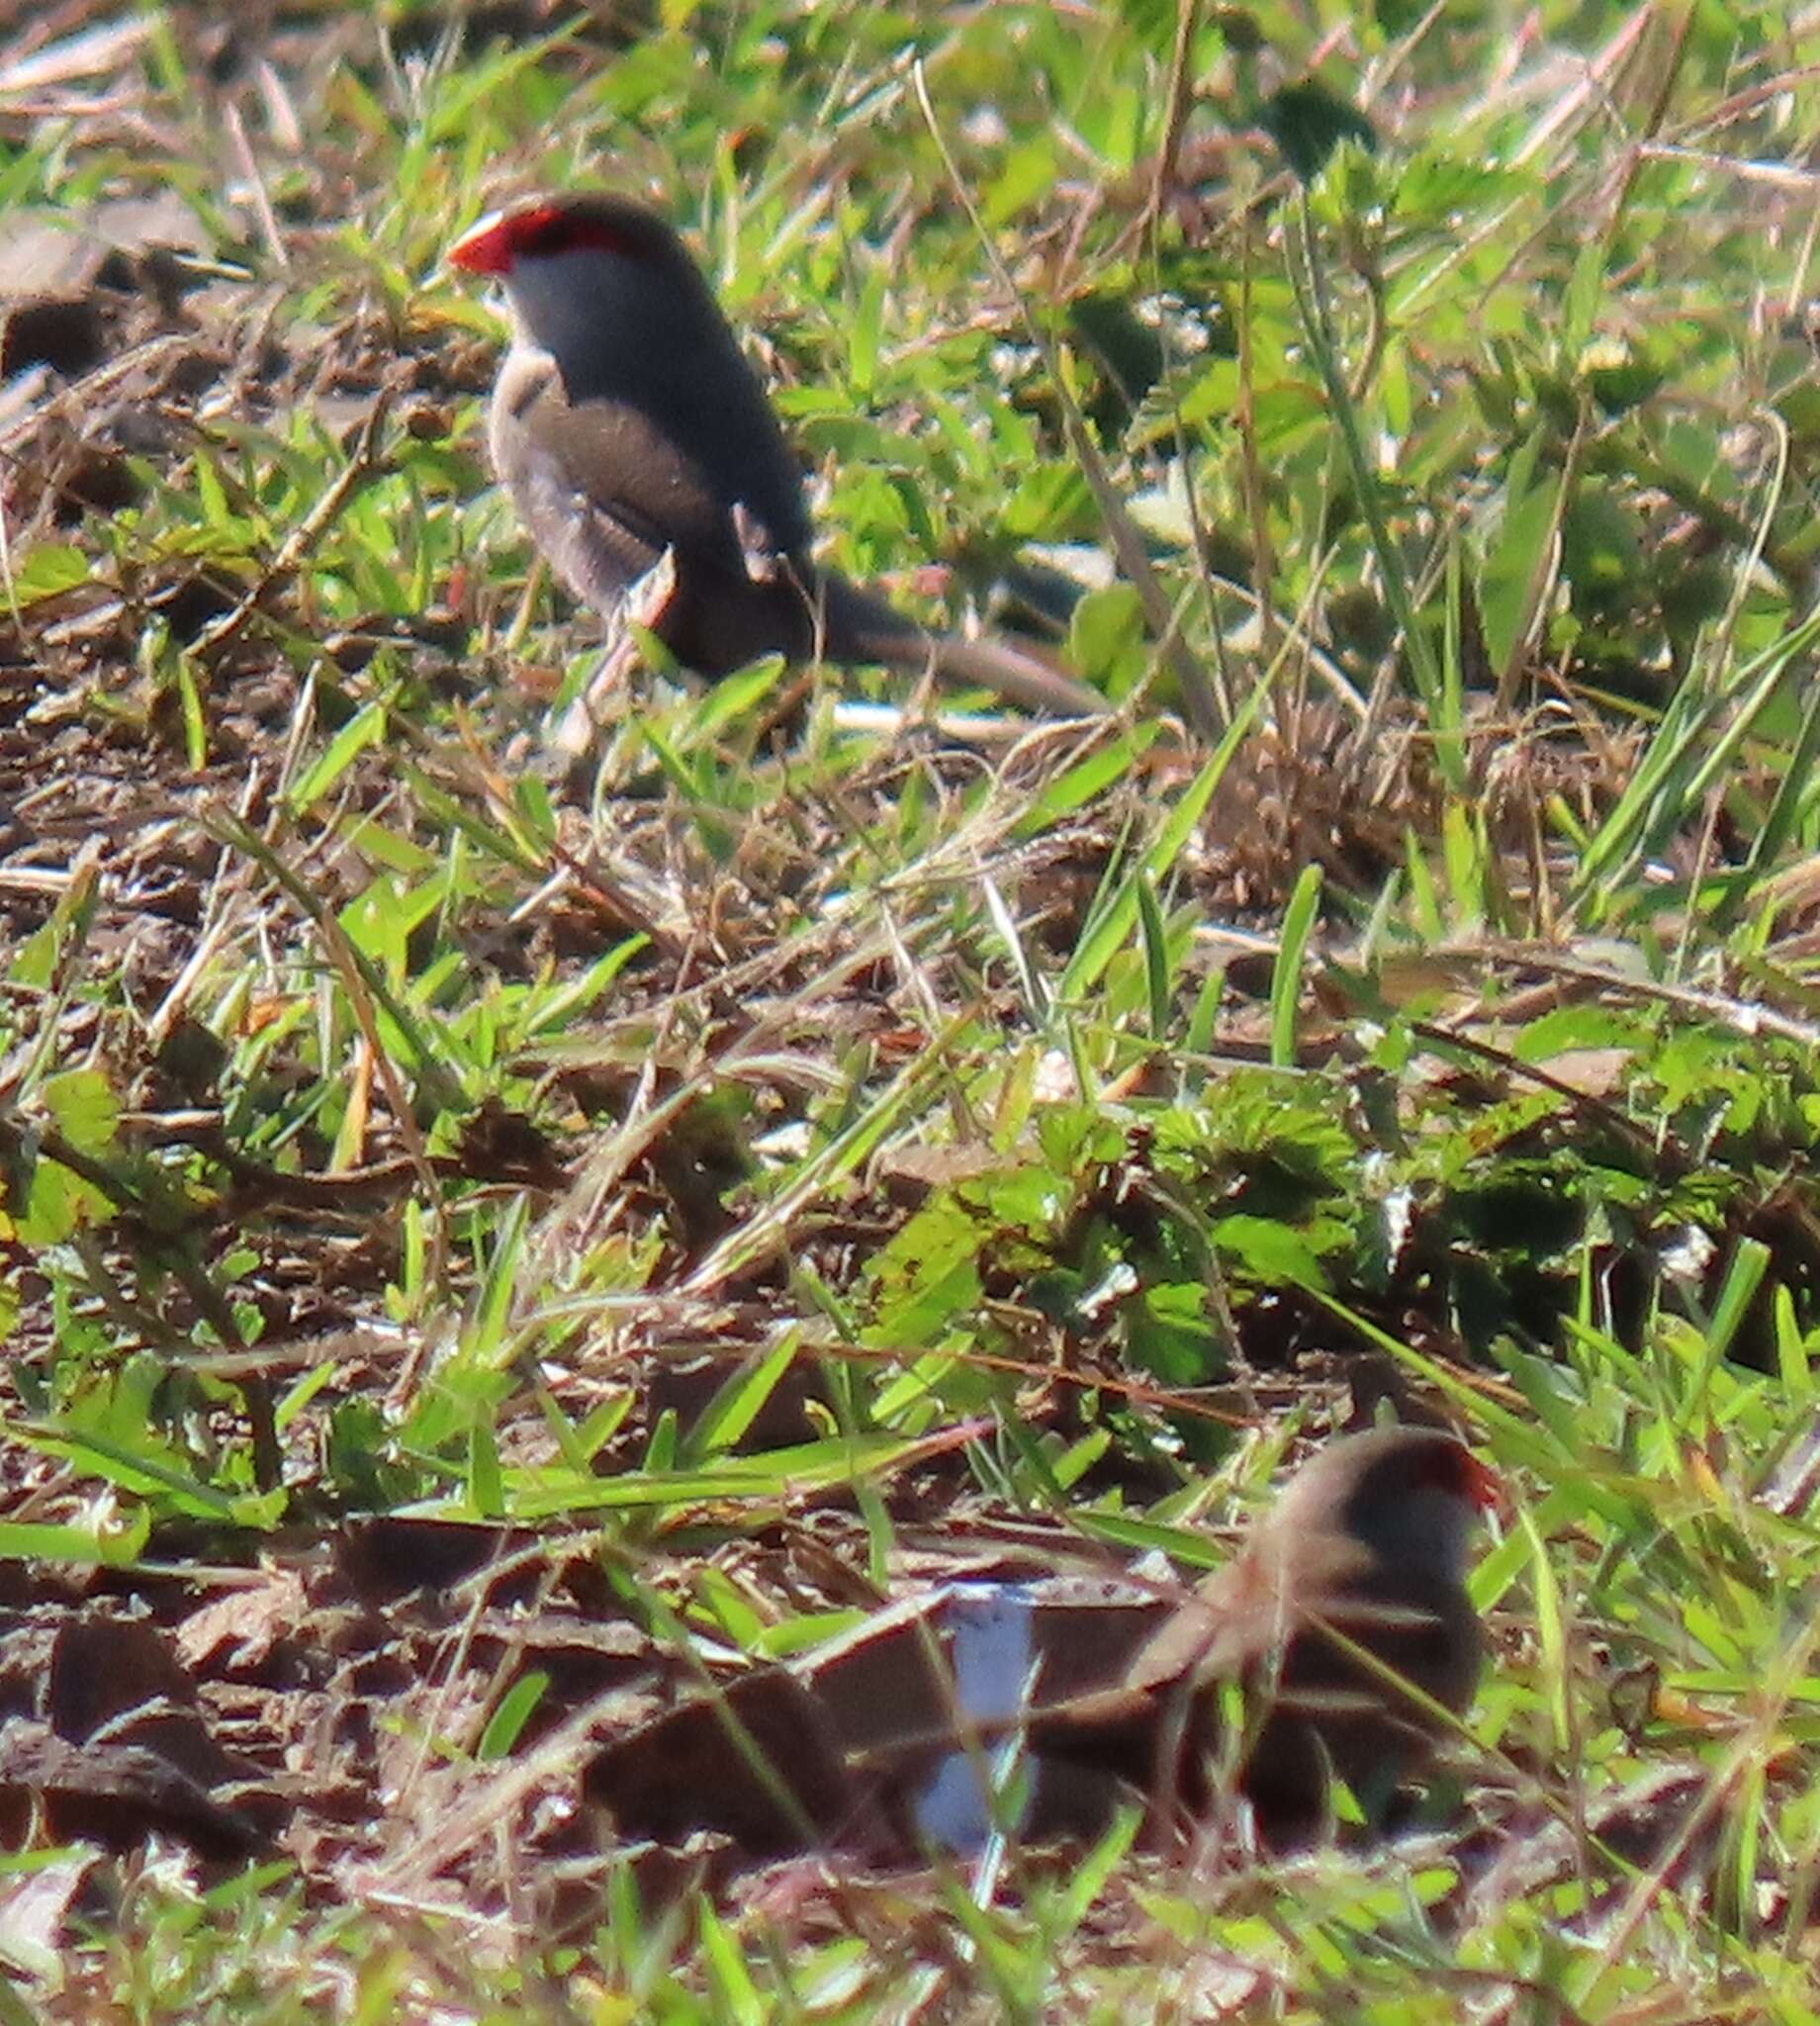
1411	1496
597	281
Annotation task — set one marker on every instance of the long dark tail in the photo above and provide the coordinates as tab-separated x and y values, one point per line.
860	627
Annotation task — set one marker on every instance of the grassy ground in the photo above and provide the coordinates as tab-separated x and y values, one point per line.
481	1237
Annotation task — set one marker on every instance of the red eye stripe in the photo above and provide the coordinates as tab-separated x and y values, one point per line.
1444	1463
1476	1481
555	228
498	241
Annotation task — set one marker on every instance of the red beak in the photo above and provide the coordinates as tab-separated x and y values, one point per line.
485	248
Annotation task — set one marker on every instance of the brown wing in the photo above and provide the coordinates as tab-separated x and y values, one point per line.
1341	1699
1285	1625
1240	1620
602	489
605	492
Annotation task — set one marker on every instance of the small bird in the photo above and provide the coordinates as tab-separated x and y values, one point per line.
1349	1594
629	430
1344	1619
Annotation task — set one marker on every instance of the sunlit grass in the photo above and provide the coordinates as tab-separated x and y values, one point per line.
384	1097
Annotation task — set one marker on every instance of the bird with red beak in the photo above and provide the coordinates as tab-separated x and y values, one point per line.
1343	1622
632	434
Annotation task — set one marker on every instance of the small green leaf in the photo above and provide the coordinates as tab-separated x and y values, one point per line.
46	571
506	1723
85	1106
1286	980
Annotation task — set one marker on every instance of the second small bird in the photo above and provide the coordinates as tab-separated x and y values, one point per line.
1349	1594
626	424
